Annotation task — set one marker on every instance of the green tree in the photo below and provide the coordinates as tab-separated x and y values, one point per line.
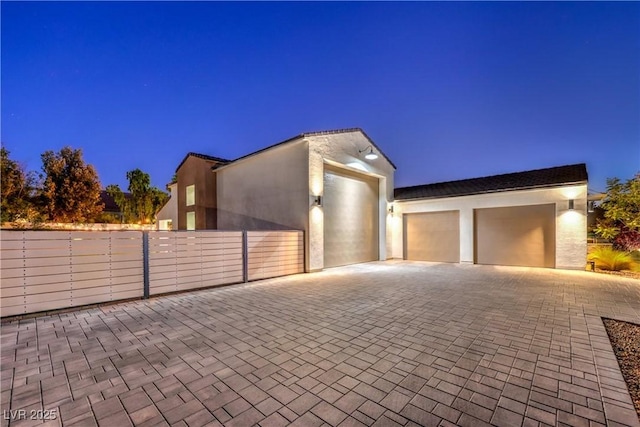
143	202
17	200
71	188
621	206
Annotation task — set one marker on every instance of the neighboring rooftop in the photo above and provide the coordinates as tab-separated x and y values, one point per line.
549	177
110	204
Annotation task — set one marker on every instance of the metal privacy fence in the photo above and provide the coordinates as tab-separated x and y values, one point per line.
48	270
194	259
274	253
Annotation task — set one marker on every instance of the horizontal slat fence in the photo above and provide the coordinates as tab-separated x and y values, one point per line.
47	270
193	259
274	253
50	270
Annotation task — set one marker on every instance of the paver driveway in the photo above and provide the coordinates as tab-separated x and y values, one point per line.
393	343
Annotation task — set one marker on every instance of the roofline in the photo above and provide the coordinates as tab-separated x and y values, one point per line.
510	174
304	135
500	190
202	156
347	130
494	176
286	141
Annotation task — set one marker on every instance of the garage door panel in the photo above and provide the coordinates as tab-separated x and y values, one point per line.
516	235
350	207
432	236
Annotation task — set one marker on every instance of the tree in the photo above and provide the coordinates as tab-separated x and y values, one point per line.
71	188
621	221
144	200
17	198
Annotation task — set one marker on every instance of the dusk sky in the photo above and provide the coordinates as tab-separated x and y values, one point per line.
448	90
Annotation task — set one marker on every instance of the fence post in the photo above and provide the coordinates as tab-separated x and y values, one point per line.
145	262
245	257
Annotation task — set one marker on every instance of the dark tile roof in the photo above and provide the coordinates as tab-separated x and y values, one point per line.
109	203
550	177
325	132
202	156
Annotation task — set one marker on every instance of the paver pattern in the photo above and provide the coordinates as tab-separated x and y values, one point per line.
378	344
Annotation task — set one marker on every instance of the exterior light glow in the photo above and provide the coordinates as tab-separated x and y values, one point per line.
357	166
370	154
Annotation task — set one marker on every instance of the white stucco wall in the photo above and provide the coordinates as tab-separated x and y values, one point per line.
266	191
275	188
170	210
342	150
571	225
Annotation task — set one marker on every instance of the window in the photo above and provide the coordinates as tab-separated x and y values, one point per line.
164	224
191	220
191	195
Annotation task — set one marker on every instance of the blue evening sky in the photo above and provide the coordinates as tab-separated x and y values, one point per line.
447	90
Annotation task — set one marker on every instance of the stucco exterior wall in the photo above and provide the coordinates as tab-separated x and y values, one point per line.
266	191
170	210
196	170
571	225
342	150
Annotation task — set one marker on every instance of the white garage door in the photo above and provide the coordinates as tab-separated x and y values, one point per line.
517	235
432	236
350	205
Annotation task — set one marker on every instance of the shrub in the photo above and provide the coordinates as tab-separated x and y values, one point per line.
607	258
627	240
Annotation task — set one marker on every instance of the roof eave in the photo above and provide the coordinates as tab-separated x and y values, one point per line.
203	157
332	132
475	193
255	153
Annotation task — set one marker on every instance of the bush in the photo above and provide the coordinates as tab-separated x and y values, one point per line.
607	258
627	240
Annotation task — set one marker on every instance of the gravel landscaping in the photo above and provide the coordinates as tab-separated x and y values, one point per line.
625	273
625	340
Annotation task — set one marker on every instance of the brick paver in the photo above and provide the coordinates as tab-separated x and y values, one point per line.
389	343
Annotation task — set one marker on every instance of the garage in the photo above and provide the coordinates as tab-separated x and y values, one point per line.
351	217
516	235
432	236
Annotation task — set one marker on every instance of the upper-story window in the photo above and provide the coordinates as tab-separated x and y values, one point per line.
191	195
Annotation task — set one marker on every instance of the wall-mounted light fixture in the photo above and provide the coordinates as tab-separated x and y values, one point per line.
571	205
591	206
391	209
317	201
370	154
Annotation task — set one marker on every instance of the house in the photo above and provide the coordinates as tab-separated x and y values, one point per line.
337	186
318	182
167	217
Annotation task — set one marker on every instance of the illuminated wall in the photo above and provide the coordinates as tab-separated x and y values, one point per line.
342	150
169	212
